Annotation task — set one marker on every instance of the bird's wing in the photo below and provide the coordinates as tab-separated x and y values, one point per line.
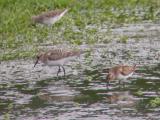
52	13
55	55
126	70
58	54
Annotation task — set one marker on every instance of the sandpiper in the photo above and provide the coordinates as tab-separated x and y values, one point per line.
120	72
57	57
49	18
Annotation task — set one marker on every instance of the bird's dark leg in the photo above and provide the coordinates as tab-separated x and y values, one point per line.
107	85
64	70
123	84
59	70
119	84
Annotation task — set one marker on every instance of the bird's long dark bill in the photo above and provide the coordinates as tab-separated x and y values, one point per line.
36	63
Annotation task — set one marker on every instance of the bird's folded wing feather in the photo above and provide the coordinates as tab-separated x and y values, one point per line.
126	71
54	55
52	13
59	54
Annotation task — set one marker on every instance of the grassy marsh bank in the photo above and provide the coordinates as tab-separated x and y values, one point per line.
19	39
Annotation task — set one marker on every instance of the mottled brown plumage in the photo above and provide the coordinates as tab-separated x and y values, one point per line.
50	17
57	57
60	54
120	72
57	54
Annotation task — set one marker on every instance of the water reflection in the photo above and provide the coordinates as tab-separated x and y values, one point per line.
122	99
27	93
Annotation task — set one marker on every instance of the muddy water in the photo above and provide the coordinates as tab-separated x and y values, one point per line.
28	93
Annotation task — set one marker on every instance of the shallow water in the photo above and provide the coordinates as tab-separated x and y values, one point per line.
29	93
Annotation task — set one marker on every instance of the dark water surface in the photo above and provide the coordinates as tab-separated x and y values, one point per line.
28	93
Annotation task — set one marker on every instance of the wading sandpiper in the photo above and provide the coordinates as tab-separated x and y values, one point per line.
120	72
57	57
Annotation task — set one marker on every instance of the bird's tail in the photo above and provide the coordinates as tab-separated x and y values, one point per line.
66	10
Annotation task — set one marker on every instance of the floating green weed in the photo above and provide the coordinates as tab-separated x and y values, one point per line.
155	102
124	39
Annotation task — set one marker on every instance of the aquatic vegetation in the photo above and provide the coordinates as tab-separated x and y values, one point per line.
7	115
155	102
28	93
124	39
139	93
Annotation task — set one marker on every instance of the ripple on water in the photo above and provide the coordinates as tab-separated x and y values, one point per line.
36	93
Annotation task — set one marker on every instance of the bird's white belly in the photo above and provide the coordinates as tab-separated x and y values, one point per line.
52	20
124	77
59	62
